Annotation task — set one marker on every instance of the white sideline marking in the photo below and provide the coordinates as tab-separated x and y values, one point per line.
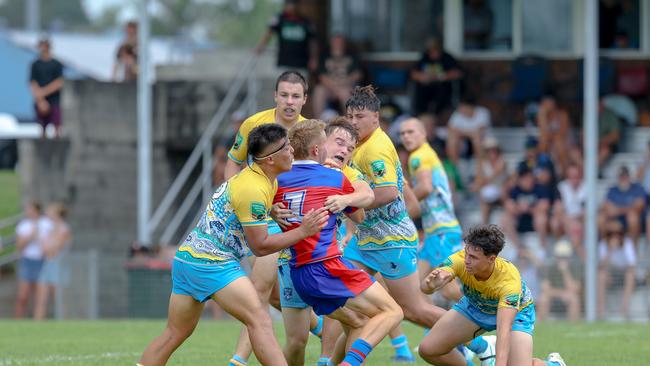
66	358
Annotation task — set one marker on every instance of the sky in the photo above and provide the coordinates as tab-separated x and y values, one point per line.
95	7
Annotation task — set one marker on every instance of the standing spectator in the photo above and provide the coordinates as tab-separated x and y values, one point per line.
468	123
625	202
339	73
491	177
609	133
30	230
433	76
555	135
571	209
46	82
126	64
616	252
297	48
560	283
55	247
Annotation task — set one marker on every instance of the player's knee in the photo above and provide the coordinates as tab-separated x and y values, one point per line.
428	350
297	342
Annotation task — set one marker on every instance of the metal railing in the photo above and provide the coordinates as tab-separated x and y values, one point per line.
203	152
8	254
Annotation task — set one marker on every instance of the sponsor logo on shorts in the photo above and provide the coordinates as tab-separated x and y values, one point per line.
288	293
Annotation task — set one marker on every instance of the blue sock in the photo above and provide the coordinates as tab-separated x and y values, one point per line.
477	345
401	345
323	361
357	353
237	361
426	331
319	327
552	363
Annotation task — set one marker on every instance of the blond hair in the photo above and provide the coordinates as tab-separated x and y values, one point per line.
303	135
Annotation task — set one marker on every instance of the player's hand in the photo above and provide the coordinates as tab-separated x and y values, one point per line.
435	280
333	163
336	203
281	214
43	106
345	240
314	221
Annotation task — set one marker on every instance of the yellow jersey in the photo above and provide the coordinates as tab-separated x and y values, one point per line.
243	200
239	149
388	226
504	288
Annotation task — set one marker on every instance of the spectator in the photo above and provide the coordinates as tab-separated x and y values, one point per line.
433	76
29	231
609	133
126	64
527	208
555	135
46	82
643	177
560	283
478	21
617	253
491	177
297	47
131	32
468	123
55	247
339	73
625	202
534	159
571	208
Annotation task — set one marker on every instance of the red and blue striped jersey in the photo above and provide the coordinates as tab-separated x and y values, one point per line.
306	186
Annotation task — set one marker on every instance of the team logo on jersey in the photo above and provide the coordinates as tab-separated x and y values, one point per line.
258	211
378	168
238	141
512	300
415	163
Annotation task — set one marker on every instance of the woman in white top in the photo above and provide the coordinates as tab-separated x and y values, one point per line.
55	247
491	177
616	251
29	231
468	122
572	198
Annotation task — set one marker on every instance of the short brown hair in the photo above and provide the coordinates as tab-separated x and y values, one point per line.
342	123
487	237
303	134
293	77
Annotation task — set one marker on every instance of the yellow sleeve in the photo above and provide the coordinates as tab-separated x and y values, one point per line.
239	148
380	167
251	204
352	174
418	163
510	294
454	263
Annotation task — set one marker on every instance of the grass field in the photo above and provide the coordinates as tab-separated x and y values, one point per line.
121	342
9	197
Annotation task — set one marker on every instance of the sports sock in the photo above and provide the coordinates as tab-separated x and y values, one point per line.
477	345
401	345
237	361
552	363
318	329
357	353
323	361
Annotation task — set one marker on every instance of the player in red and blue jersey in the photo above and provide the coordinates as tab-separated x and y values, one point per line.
322	278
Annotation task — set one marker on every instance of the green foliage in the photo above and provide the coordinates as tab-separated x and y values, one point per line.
59	14
121	343
9	197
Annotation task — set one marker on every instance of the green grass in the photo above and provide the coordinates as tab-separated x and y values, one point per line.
121	342
9	197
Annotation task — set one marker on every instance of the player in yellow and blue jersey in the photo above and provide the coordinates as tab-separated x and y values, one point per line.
206	266
496	298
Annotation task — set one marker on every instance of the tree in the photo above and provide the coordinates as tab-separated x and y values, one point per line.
55	14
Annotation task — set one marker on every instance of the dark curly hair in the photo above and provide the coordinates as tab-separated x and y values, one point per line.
487	237
363	98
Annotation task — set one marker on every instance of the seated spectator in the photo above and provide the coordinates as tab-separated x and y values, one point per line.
616	253
491	177
338	74
571	208
643	177
555	135
468	123
625	202
534	159
527	208
55	248
560	283
433	76
29	232
609	133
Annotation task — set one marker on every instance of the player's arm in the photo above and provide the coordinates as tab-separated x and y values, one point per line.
436	280
261	243
425	184
231	169
384	196
505	318
412	203
362	197
357	216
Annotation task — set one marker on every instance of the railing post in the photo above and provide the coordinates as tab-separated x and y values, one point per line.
207	172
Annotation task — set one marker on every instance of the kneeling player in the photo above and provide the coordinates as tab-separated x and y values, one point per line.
322	278
206	265
495	298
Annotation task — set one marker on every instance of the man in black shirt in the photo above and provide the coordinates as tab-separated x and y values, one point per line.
46	81
297	47
433	76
